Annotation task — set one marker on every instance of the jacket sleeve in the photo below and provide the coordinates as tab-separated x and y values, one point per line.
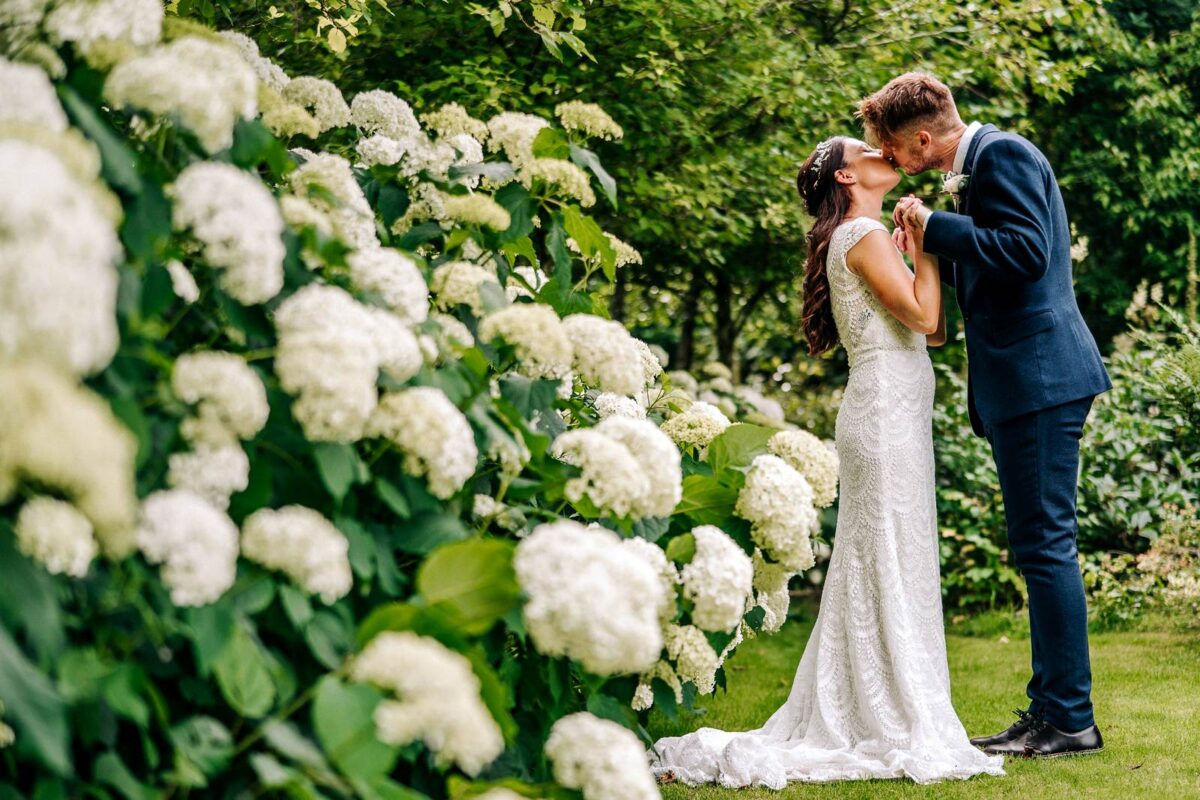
1010	193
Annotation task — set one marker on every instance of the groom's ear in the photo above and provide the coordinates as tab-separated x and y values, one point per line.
924	139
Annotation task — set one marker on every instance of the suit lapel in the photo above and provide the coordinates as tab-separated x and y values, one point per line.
960	289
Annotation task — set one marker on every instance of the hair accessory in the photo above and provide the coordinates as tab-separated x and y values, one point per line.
822	155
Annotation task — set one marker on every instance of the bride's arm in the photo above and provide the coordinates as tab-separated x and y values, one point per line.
915	300
938	337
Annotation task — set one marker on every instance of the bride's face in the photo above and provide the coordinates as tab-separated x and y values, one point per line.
866	166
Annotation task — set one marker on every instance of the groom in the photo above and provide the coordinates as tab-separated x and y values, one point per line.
1033	371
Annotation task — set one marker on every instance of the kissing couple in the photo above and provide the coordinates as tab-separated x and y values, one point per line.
871	695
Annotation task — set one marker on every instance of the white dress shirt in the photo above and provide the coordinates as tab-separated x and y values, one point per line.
960	160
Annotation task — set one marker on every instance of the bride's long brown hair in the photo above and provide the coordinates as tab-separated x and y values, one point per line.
827	202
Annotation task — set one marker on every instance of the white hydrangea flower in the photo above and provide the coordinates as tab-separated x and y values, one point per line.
321	98
183	283
196	544
643	695
452	120
458	283
668	575
58	435
715	369
433	434
604	760
55	534
516	286
205	85
381	150
510	453
500	793
651	366
395	278
658	457
88	23
605	355
513	133
611	476
626	253
771	591
588	118
718	580
561	174
58	284
537	336
303	545
470	151
609	404
27	96
230	398
809	456
696	426
351	215
437	699
452	334
476	209
771	409
777	501
683	380
7	735
236	219
695	659
589	598
267	70
384	113
214	473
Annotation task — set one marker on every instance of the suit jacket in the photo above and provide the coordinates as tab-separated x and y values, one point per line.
1008	256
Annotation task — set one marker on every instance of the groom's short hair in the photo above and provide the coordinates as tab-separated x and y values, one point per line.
908	101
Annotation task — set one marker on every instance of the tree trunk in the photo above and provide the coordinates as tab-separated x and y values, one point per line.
686	347
616	304
724	314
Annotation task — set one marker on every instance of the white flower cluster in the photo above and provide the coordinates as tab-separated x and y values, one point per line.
718	580
563	175
437	699
206	85
770	409
519	278
58	435
777	501
459	283
536	334
605	355
89	23
214	473
321	98
383	113
651	366
643	695
813	459
476	209
453	120
58	286
771	591
668	575
236	219
626	253
331	350
513	133
27	96
349	212
196	544
229	398
628	467
695	659
433	434
395	278
609	404
588	118
590	598
302	544
696	426
604	760
57	535
267	71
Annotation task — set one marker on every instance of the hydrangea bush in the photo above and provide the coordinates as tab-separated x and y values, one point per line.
322	470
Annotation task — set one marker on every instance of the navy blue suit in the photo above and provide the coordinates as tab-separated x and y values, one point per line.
1033	371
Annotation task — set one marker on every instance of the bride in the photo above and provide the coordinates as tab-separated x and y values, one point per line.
871	696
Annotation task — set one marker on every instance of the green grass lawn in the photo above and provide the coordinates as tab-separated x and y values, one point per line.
1146	693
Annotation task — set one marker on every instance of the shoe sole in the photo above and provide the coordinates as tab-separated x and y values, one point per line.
1063	755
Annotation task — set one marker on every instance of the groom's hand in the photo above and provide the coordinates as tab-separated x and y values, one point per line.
901	206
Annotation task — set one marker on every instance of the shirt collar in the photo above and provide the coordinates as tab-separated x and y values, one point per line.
964	146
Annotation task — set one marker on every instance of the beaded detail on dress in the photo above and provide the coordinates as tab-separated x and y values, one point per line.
871	695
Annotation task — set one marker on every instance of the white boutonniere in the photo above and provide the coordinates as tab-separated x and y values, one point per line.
954	183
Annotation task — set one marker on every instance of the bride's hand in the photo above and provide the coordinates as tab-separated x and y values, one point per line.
900	239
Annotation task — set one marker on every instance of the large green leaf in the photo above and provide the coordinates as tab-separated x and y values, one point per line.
473	581
244	677
586	158
111	770
203	747
118	163
28	601
551	143
706	501
426	531
34	706
342	717
591	239
738	446
339	467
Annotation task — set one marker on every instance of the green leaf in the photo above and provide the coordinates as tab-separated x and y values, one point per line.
738	446
755	616
521	208
682	549
204	744
473	581
419	235
501	172
121	691
129	411
339	467
706	501
551	143
392	203
608	707
587	159
362	547
392	497
342	717
146	228
529	396
329	638
286	739
111	770
243	676
296	604
410	617
591	239
428	531
34	707
28	601
118	163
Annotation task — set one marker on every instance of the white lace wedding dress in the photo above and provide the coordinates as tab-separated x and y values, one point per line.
871	697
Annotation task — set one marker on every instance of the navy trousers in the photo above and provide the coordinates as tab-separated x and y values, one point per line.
1037	457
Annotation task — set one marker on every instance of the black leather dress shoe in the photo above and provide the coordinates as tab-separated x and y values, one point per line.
1046	741
1010	742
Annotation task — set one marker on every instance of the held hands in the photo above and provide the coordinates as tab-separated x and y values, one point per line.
909	233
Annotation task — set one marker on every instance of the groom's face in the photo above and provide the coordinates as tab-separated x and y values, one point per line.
910	151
